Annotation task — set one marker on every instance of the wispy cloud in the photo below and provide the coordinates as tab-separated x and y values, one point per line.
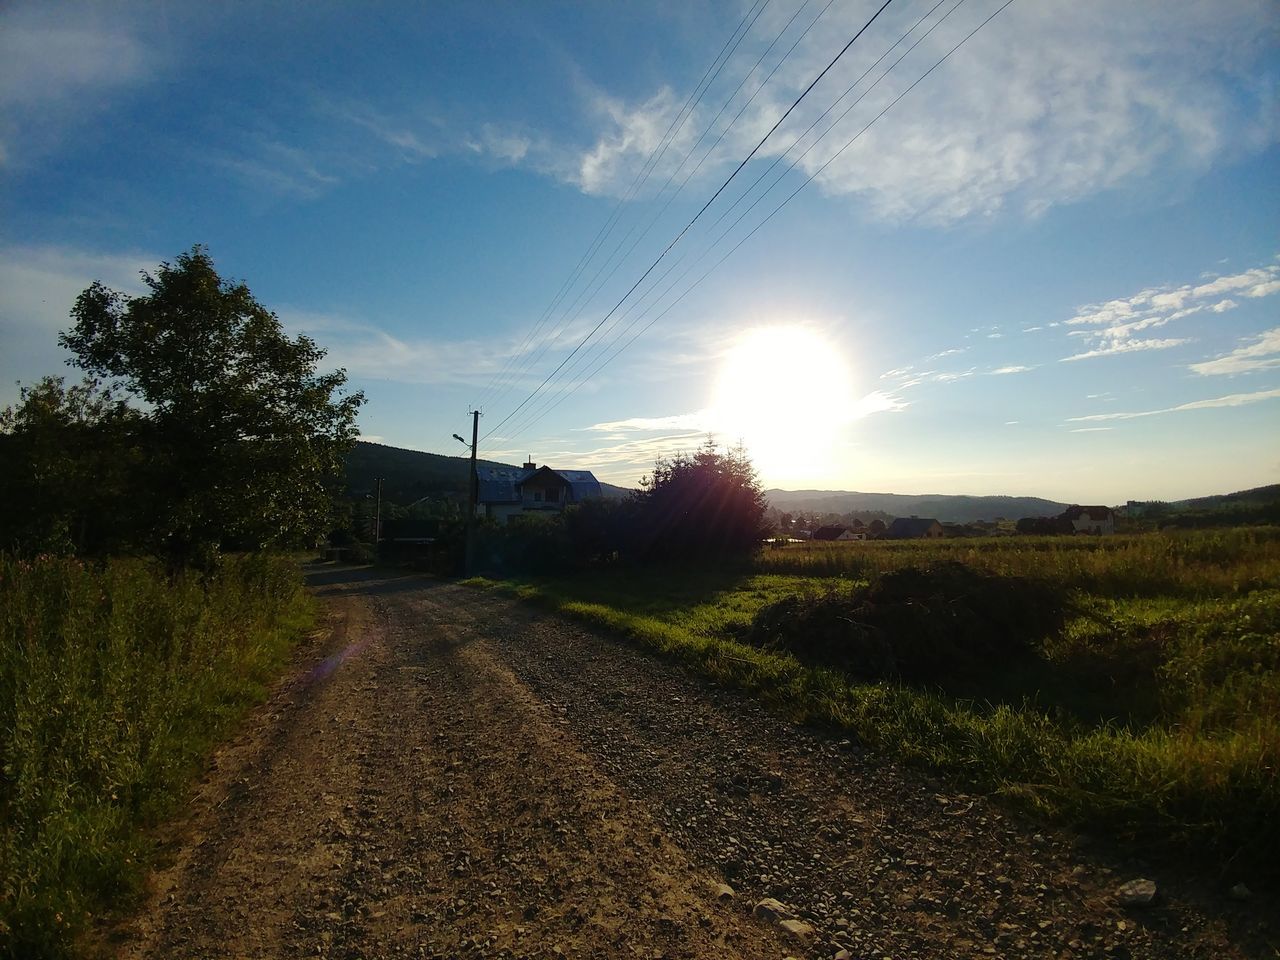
1128	346
1262	354
1013	368
368	351
279	168
1090	429
58	71
1156	306
1233	400
1091	97
1111	327
701	420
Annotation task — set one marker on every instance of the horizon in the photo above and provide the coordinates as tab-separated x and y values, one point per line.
1052	265
879	493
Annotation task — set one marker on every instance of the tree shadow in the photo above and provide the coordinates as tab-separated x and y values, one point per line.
326	579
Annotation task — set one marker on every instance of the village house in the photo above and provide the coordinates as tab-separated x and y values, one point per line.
914	528
1090	519
507	492
837	532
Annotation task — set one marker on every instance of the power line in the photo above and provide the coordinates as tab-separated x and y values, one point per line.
768	217
703	209
722	58
593	290
601	347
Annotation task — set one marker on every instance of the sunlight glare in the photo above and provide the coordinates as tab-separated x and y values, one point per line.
785	391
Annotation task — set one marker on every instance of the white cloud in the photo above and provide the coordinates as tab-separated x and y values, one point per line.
1158	305
1262	354
1111	325
701	420
1127	346
1091	96
47	63
59	71
1017	368
1090	429
1232	400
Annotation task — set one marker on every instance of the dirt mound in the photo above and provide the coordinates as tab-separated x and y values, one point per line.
917	623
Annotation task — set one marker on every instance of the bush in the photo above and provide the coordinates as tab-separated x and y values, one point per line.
916	623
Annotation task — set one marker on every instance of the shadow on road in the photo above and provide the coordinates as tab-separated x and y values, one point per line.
364	581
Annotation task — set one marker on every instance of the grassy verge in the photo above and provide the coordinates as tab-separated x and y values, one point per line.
1153	714
115	681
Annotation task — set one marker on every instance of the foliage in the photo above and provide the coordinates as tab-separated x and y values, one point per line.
242	439
68	454
702	505
1045	526
114	682
1151	713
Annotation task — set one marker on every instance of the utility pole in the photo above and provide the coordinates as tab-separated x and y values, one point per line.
473	492
377	519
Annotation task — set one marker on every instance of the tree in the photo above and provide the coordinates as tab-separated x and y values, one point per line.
243	438
705	504
68	454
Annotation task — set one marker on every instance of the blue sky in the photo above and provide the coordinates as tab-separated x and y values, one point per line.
1051	268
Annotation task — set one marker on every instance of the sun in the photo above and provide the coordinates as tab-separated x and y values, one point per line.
786	392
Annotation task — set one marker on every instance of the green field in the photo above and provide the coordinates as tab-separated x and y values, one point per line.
1150	711
115	681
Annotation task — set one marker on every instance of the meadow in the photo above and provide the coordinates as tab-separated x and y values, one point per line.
1148	710
116	679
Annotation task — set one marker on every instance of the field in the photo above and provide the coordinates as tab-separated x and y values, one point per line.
1147	710
115	680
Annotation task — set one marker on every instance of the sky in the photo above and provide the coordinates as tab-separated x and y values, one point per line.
1025	249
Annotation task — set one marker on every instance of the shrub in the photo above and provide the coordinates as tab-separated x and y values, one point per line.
916	623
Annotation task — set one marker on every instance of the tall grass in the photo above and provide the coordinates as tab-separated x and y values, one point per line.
1186	564
1152	714
115	680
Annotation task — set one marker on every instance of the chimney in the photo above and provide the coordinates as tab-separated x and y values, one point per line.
530	465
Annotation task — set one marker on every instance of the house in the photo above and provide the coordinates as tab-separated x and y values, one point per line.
507	492
914	528
836	532
1090	519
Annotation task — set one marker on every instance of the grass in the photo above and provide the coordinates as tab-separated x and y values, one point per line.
1152	714
115	681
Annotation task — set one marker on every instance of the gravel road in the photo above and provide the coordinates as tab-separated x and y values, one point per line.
448	773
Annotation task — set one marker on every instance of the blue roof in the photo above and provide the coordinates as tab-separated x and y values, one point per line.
502	484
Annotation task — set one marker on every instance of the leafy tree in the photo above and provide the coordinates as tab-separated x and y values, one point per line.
68	454
705	504
243	438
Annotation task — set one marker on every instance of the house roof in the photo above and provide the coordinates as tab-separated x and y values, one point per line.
1075	512
502	484
907	527
827	533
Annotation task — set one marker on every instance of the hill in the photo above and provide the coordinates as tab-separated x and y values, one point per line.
944	507
1256	497
1258	505
410	475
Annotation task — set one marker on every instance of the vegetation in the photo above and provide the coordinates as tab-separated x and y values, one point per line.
233	439
1130	684
201	428
115	680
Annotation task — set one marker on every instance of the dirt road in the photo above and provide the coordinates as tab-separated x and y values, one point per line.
449	774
